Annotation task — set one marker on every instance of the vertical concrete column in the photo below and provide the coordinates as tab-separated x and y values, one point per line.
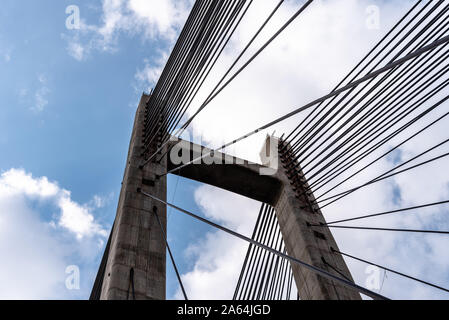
295	215
137	243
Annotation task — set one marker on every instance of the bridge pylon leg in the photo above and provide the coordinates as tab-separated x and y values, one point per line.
136	261
296	210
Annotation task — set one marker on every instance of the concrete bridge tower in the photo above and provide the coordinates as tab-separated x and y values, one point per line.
134	262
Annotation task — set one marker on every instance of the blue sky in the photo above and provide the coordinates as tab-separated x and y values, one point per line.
71	120
68	99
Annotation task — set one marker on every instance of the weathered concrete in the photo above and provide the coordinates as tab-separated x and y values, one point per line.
296	211
223	171
137	241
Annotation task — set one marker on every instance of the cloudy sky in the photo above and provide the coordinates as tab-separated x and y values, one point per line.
68	101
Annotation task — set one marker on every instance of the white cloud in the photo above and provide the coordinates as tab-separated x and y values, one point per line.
5	53
18	182
101	202
218	257
76	50
154	19
218	261
32	260
36	250
40	98
241	220
149	75
23	92
77	218
74	217
159	18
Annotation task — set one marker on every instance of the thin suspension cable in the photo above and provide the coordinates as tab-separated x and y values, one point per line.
355	114
401	86
245	262
260	257
276	244
296	145
185	108
212	44
335	269
171	255
375	112
202	47
391	270
184	127
367	114
400	117
292	259
205	48
293	18
188	99
181	58
389	212
271	263
378	145
195	15
279	251
330	95
378	131
302	124
278	288
387	176
199	52
284	275
269	242
382	229
257	255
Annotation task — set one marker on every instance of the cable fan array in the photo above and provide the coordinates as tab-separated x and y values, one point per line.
393	96
337	141
264	275
208	29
